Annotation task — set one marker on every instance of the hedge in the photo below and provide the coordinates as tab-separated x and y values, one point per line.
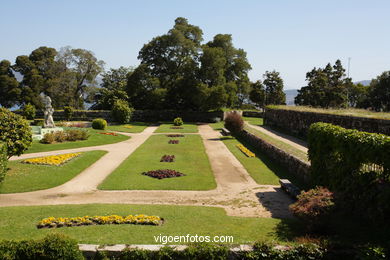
3	161
354	164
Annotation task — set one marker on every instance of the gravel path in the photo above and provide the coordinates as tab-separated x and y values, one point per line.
236	191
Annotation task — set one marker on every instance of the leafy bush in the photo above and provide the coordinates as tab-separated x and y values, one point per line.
121	111
234	122
314	207
48	138
178	121
51	247
15	132
3	161
62	136
354	164
38	122
99	123
29	111
68	112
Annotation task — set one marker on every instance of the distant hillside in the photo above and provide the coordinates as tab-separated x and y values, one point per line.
290	95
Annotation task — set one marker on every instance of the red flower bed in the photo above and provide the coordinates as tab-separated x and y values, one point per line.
175	135
168	158
176	127
162	174
173	141
113	134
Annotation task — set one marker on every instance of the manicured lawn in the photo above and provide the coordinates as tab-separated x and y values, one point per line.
262	169
23	177
20	223
187	128
191	160
94	139
133	127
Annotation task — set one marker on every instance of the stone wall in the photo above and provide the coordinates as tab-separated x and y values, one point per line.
298	122
293	165
140	115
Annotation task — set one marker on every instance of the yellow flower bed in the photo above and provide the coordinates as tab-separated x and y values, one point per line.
53	222
245	150
128	126
52	159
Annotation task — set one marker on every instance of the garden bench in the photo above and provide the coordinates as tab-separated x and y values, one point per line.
290	188
225	131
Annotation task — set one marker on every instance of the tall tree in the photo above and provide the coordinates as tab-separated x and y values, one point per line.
380	92
274	88
327	87
9	91
257	93
358	96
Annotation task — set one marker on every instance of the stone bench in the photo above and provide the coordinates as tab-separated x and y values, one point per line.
225	132
289	188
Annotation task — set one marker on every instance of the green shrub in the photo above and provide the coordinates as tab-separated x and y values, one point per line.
51	247
68	112
354	164
234	122
314	207
76	134
178	121
67	135
3	161
38	122
48	138
29	111
15	132
121	112
99	123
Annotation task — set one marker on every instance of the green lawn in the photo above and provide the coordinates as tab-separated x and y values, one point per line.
20	223
262	168
187	128
136	127
191	159
28	177
94	139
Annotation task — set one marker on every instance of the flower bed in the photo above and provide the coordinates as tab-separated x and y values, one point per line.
128	126
173	142
175	135
109	133
52	159
167	158
141	219
162	174
245	150
176	127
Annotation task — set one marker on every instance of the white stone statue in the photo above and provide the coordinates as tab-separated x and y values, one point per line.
48	113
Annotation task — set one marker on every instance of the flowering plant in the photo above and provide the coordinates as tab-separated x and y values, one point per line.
175	135
245	150
173	141
52	159
167	158
162	174
109	133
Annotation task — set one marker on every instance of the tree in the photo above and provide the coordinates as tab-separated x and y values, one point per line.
274	88
257	93
112	88
9	86
358	96
380	92
327	87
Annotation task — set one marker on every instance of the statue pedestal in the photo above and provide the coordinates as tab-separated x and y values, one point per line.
38	132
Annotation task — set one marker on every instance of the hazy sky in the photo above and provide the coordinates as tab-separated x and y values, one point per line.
289	36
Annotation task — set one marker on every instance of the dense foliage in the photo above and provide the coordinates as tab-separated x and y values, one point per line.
234	122
64	136
354	164
178	121
3	161
121	112
68	112
15	132
29	111
314	207
380	92
99	123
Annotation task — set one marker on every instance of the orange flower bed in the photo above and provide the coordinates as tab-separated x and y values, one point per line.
109	133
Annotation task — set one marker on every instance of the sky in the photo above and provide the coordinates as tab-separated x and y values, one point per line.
288	36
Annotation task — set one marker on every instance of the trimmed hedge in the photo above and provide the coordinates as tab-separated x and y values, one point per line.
354	164
3	161
99	123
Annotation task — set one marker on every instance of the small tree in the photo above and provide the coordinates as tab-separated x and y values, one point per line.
121	111
257	93
15	132
234	122
68	112
29	111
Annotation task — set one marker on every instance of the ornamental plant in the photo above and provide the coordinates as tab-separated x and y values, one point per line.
68	112
178	121
175	135
52	159
167	158
314	208
15	132
63	136
121	112
173	142
234	123
29	111
245	150
99	123
162	174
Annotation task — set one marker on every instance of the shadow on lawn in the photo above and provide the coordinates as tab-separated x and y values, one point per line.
276	202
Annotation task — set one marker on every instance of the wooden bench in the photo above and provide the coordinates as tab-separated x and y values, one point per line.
225	132
289	188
